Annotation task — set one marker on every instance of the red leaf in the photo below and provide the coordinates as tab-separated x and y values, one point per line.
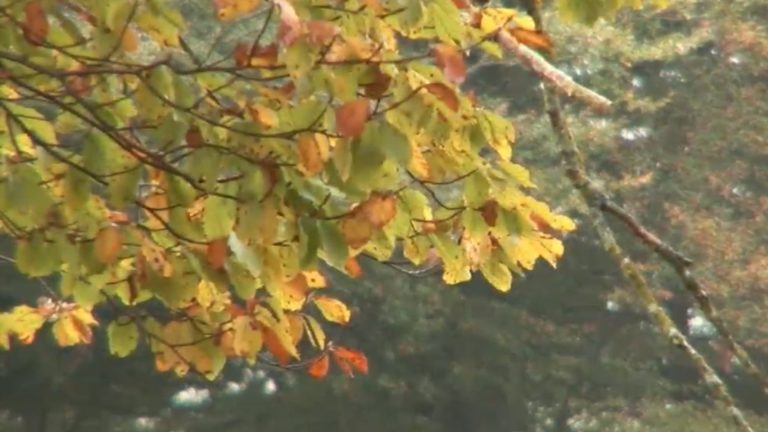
319	367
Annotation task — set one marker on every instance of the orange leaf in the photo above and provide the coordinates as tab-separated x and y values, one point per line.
295	292
532	38
262	116
352	116
289	27
216	252
320	32
356	229
451	62
107	244
380	209
444	94
272	342
319	367
349	360
35	24
314	150
353	267
118	217
130	41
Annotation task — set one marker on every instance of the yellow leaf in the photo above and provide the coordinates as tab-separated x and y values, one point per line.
68	330
247	340
332	309
314	332
296	324
315	279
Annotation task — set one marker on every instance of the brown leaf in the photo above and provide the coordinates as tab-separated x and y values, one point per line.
532	39
35	24
451	61
216	253
107	244
352	116
378	85
444	94
194	137
490	212
356	229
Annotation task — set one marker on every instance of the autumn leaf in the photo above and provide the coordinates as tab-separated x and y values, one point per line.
129	41
216	253
332	309
314	151
352	117
256	56
319	367
320	32
376	84
450	60
350	361
228	10
444	94
289	27
108	244
533	39
380	209
36	25
490	212
276	346
315	279
353	267
356	229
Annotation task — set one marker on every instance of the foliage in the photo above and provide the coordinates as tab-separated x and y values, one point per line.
142	173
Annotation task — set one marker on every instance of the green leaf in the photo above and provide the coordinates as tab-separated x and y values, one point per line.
36	256
218	216
335	248
309	242
123	338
